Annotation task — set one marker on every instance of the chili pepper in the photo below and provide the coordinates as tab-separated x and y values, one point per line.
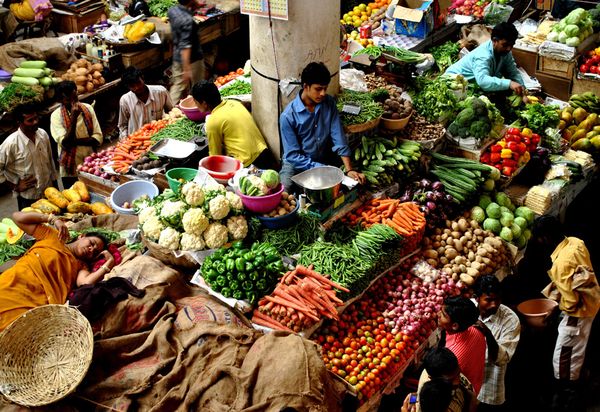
221	280
230	264
249	267
238	295
226	292
240	264
221	269
247	286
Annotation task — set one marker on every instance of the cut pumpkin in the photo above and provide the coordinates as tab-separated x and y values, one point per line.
13	236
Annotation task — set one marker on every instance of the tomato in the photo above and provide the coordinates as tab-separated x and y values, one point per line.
240	71
584	68
513	130
594	69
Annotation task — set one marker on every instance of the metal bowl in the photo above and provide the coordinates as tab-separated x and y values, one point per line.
320	184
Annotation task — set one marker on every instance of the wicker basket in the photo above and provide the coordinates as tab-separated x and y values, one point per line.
363	127
167	256
45	354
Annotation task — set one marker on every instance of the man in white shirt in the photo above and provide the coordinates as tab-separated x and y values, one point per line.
26	163
506	328
142	104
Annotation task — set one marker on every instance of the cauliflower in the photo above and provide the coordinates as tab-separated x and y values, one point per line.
215	235
237	227
152	227
192	194
218	207
235	202
169	238
146	213
172	211
260	184
192	242
194	221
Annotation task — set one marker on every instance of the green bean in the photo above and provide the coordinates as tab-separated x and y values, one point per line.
183	129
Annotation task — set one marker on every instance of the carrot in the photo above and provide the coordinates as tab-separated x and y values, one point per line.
288	303
396	227
267	321
302	270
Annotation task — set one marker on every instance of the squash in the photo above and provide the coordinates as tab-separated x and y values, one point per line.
30	210
79	207
46	206
13	236
82	190
72	195
54	195
99	208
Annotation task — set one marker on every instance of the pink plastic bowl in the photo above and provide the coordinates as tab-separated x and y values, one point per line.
262	204
188	107
220	168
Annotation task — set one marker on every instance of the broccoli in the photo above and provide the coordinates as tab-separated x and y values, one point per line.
453	129
480	129
465	117
479	107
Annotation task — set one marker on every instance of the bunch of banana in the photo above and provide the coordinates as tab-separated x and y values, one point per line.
588	101
383	160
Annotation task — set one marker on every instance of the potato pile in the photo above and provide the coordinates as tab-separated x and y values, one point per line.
87	76
146	163
287	204
465	251
395	107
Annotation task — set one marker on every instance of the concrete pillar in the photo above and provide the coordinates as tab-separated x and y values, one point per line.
312	33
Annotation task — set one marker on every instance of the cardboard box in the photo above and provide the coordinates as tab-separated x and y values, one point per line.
558	87
558	68
526	59
414	17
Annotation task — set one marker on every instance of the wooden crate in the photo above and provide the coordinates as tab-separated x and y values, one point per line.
75	23
526	59
558	87
210	31
585	85
231	23
558	68
143	59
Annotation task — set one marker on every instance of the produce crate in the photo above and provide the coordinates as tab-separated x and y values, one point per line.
544	4
581	85
143	59
553	67
75	23
97	184
558	87
526	59
468	153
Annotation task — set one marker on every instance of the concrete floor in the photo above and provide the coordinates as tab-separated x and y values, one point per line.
8	204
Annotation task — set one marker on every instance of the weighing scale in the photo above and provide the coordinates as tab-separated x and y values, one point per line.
326	212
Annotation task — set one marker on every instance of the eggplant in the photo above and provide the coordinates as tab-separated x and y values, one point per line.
405	198
437	185
425	183
430	205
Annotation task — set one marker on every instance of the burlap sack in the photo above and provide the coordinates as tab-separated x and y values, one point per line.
46	48
473	36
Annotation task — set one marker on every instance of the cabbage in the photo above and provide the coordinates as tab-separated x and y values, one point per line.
526	213
504	209
506	234
502	199
576	16
553	36
507	219
571	30
484	201
493	211
516	230
562	37
478	214
493	225
521	221
271	178
573	41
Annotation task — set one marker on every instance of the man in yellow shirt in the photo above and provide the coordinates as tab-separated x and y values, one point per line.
75	128
230	128
575	287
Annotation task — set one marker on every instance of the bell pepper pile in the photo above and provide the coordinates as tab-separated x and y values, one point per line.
241	273
512	151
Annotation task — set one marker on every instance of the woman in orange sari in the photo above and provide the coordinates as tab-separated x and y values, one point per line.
48	271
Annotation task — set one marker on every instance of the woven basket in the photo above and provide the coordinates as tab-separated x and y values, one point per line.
45	354
363	127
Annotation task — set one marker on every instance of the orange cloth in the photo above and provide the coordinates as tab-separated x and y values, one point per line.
45	274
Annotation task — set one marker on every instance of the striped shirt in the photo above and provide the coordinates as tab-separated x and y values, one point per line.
20	158
185	33
505	327
134	113
469	347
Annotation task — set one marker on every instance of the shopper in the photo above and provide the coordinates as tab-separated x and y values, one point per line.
26	163
575	287
504	325
230	128
75	128
188	60
491	65
465	339
142	104
311	130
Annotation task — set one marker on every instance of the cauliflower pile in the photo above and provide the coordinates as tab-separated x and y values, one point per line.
196	219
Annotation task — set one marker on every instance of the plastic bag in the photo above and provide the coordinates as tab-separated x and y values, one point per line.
495	13
352	79
528	26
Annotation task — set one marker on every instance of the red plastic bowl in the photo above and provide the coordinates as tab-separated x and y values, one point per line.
220	168
188	107
262	204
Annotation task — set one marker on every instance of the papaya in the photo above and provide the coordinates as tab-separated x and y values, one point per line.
13	236
572	129
99	208
54	195
596	128
595	141
30	209
593	119
46	206
579	115
582	144
568	109
579	134
591	134
79	207
561	125
72	195
82	190
585	125
566	117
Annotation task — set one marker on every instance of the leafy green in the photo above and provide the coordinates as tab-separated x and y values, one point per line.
159	8
539	117
436	101
445	55
15	94
236	88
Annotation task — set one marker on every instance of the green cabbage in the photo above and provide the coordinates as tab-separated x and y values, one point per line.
521	221
572	30
478	214
573	41
516	230
520	242
562	37
552	36
527	234
493	211
493	225
502	199
484	201
271	178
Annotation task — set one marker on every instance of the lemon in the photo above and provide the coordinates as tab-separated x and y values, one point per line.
374	10
345	16
364	42
353	33
356	23
362	7
342	21
368	10
356	9
364	18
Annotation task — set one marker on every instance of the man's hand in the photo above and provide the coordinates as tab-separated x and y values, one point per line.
357	176
517	88
26	183
187	78
63	231
407	406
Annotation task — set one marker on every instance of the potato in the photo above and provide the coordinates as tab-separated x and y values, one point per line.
458	245
81	71
101	80
456	235
462	224
435	245
74	66
441	251
454	226
451	253
467	279
98	67
82	80
80	89
432	262
89	87
444	260
430	254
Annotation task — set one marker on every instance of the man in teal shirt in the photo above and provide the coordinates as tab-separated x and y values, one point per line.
491	64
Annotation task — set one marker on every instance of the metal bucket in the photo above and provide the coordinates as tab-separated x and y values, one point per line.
321	184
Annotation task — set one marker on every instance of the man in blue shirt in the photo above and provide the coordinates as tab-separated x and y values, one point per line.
311	129
491	64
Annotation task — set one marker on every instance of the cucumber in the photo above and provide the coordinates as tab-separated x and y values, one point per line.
37	73
33	64
448	178
29	81
46	81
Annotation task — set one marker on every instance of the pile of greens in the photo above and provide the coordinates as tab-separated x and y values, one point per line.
159	8
15	94
539	117
110	235
435	101
236	88
369	108
445	55
183	129
399	53
288	241
7	251
478	118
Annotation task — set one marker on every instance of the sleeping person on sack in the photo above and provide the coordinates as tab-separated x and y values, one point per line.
50	269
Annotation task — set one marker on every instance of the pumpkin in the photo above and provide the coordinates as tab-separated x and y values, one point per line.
13	236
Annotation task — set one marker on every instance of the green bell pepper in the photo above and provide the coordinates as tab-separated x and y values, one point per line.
230	264
254	276
249	256
251	297
221	268
238	295
238	245
242	276
234	285
210	275
221	280
247	286
249	267
261	285
259	261
275	267
226	292
240	264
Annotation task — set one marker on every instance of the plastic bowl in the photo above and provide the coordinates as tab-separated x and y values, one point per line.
262	204
188	107
280	222
130	191
185	173
220	168
535	311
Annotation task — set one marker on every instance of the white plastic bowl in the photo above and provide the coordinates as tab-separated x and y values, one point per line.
130	191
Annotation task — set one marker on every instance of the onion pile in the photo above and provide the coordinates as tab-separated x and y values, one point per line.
434	202
93	164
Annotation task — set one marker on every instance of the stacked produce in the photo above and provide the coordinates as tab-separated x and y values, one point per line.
419	129
87	76
395	107
375	82
255	185
34	72
445	55
512	151
73	200
539	117
138	31
15	94
160	8
362	14
288	241
477	118
147	162
221	80
236	88
385	161
435	203
503	219
301	299
464	251
369	108
573	29
93	164
587	101
436	100
181	128
580	128
469	7
355	36
286	205
589	64
136	144
463	178
197	218
243	274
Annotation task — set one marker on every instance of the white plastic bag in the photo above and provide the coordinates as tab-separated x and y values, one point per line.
495	13
352	79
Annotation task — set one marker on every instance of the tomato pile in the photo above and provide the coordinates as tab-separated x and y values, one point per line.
368	345
221	80
591	62
512	151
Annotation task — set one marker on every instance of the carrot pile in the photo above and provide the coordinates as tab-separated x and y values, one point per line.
301	299
405	218
135	145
